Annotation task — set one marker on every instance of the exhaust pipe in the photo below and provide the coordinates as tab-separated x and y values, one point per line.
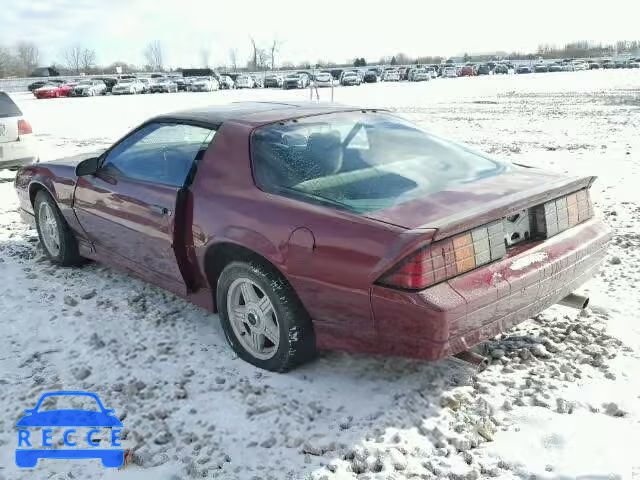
575	301
473	358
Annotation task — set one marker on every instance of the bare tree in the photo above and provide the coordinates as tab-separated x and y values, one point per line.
275	48
73	58
7	61
254	55
233	58
27	56
205	53
154	55
88	58
262	59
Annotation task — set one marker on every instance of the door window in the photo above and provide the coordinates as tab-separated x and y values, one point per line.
158	153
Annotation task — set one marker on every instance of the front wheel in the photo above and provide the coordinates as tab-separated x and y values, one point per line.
56	237
262	317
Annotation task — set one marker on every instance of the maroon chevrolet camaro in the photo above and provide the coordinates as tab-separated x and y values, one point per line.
312	226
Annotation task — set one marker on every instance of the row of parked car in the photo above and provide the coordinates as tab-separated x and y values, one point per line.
128	85
131	84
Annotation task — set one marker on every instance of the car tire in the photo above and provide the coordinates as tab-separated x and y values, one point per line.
295	342
53	230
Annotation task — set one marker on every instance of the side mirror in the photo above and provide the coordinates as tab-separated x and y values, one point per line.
87	167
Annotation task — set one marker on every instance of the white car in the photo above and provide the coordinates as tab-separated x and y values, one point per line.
578	65
433	73
323	79
226	82
126	86
419	75
17	145
450	72
89	88
245	81
204	84
391	76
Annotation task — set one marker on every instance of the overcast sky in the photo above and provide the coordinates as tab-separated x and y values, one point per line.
336	30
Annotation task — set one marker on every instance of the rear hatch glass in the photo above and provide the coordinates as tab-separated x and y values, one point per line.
7	107
8	123
361	162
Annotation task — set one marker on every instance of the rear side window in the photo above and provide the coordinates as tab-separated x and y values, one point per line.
361	162
7	107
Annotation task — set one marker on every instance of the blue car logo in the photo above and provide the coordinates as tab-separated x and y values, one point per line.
27	453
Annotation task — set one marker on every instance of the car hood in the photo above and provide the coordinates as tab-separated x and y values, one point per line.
466	205
69	418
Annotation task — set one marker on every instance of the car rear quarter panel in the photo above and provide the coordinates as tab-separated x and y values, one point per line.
331	260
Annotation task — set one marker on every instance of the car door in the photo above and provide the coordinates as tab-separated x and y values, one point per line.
128	207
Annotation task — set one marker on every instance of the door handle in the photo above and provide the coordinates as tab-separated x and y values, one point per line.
159	209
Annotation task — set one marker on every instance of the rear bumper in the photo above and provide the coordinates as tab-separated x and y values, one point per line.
18	153
456	315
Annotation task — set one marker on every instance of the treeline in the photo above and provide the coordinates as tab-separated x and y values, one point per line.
23	58
589	49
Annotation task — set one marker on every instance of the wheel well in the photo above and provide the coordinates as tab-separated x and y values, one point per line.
220	255
34	188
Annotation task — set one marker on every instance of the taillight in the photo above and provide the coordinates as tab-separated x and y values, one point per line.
24	127
447	258
557	215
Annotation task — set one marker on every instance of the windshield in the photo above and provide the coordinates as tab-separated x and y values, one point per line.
361	162
125	81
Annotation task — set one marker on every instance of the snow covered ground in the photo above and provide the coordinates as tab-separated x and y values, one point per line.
560	400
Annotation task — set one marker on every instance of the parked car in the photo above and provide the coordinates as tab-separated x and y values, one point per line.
163	85
204	84
296	80
146	84
593	65
555	67
450	72
540	68
432	71
391	76
258	81
501	69
323	79
126	86
483	69
523	69
109	82
226	82
467	71
371	76
17	145
89	88
52	90
607	63
635	63
298	247
620	64
579	65
42	83
273	80
350	78
245	81
419	75
180	82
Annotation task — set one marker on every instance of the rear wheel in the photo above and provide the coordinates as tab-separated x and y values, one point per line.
56	237
262	317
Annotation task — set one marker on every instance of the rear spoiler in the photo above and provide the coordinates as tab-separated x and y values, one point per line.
488	212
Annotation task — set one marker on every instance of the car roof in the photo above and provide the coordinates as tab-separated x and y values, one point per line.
254	113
